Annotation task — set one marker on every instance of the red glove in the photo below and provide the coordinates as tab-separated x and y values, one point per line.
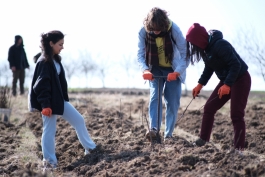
224	90
197	90
147	75
47	112
172	76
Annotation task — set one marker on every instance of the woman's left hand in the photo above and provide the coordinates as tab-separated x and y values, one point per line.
224	90
172	76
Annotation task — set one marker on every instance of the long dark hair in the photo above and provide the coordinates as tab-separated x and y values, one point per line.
194	53
156	20
46	38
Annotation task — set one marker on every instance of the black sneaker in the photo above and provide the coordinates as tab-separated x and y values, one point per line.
168	138
96	150
199	142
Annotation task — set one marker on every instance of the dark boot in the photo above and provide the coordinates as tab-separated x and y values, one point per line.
21	90
199	142
14	90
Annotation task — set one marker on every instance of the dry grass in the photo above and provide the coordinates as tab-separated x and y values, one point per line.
28	140
19	108
5	97
28	145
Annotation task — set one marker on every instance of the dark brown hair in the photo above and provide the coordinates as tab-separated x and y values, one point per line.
194	53
46	38
156	20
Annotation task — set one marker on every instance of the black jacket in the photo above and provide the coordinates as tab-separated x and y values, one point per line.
17	56
222	59
48	89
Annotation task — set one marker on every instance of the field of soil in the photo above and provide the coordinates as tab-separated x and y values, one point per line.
117	121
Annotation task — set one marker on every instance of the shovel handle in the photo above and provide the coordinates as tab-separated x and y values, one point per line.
160	77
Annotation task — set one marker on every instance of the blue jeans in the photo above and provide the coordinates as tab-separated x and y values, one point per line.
49	130
172	94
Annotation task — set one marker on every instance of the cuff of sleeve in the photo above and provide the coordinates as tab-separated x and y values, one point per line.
143	69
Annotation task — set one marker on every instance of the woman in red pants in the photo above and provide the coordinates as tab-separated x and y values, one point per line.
220	57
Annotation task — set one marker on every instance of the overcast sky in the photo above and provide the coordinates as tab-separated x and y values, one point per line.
109	29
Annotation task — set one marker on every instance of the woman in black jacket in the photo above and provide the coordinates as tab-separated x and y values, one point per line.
220	57
49	95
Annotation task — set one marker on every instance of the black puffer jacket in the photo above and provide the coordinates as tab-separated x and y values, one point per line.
222	59
48	89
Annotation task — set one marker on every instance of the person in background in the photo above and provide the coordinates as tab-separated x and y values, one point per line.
48	94
35	58
18	62
162	52
220	57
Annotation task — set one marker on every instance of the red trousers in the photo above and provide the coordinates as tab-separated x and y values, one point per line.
239	96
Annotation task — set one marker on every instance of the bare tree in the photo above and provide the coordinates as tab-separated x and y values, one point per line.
251	45
129	64
102	76
5	73
87	66
69	65
103	68
70	70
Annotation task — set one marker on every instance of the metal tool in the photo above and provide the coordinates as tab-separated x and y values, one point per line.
185	110
209	102
198	109
158	108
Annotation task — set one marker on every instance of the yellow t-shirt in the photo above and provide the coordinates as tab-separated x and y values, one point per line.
161	51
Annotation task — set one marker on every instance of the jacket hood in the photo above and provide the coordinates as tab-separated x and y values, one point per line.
17	37
214	35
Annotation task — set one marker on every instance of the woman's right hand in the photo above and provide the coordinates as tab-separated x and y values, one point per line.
47	112
13	68
197	90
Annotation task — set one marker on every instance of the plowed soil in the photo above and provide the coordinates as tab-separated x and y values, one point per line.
117	122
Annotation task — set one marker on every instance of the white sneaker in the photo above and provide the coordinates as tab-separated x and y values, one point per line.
48	166
235	151
86	152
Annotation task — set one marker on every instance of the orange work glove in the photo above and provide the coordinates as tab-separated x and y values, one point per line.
47	112
197	90
224	90
147	75
172	76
